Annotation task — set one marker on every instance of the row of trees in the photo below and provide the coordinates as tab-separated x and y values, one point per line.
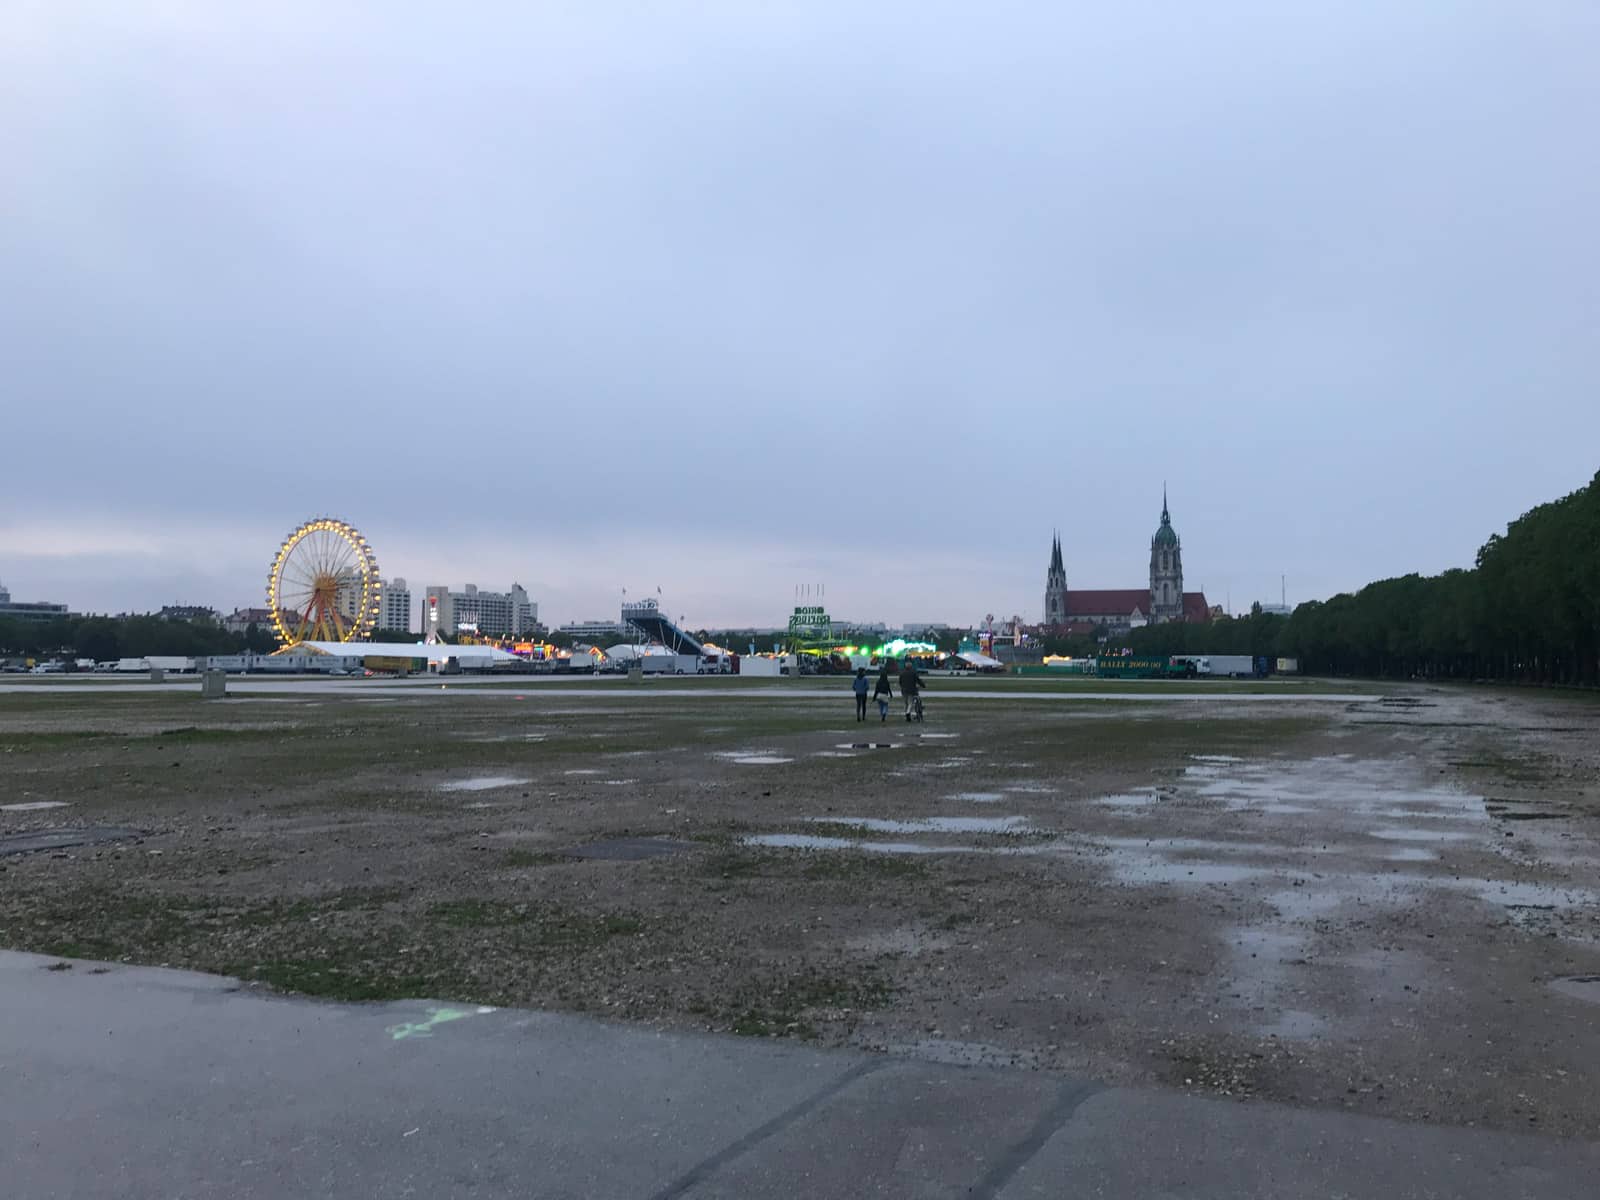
1527	611
105	638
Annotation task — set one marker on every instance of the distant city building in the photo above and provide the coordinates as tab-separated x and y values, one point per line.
240	620
35	610
1276	610
489	614
394	606
599	632
1120	609
187	612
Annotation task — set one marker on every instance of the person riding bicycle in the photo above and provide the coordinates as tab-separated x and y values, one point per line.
911	686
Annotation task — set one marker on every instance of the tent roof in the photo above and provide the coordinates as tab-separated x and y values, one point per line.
434	654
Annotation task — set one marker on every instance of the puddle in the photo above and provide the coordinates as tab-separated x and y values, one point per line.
1420	835
952	762
1031	789
758	760
933	824
1580	987
1525	895
867	746
1216	758
582	771
806	841
33	805
483	783
977	797
831	754
1129	799
618	782
62	839
1411	854
938	735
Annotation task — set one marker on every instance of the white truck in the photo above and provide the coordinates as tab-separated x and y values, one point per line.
1225	665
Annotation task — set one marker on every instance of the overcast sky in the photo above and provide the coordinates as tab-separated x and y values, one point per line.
724	298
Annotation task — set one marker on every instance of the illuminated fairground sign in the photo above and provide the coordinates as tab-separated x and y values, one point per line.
810	621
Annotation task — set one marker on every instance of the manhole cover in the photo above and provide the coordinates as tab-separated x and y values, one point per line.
631	849
61	839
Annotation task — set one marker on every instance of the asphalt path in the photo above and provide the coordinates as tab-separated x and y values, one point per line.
145	1083
619	688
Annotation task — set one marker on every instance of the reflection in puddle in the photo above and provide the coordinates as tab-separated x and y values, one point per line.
867	746
482	783
33	805
977	797
758	760
1411	854
1421	835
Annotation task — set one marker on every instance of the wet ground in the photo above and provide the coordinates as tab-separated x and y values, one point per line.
1388	904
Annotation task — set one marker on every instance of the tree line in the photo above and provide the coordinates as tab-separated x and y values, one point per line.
108	638
1528	611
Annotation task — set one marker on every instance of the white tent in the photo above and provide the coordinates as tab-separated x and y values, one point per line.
436	655
982	661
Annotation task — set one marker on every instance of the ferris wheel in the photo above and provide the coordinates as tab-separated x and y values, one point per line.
324	585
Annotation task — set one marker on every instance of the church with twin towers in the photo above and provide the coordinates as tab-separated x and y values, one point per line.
1082	610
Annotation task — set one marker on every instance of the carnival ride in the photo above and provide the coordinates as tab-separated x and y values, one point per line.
324	584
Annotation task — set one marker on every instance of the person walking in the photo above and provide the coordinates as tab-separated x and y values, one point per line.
911	686
859	686
883	693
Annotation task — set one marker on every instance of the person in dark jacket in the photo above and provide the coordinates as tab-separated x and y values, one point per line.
859	686
911	686
883	693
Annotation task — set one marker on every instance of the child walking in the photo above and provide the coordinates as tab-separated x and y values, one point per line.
859	686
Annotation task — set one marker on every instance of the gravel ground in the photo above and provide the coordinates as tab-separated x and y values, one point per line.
1390	905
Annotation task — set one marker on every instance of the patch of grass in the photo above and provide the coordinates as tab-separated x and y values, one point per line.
739	863
518	859
315	977
539	927
1512	768
863	864
479	913
23	743
786	1006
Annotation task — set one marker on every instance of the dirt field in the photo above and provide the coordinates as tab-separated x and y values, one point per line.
1389	903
